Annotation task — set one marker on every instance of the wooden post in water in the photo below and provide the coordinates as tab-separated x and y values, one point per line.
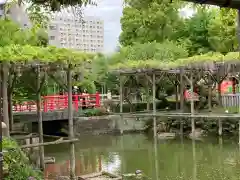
39	116
154	105
70	123
194	160
192	102
156	158
181	98
121	101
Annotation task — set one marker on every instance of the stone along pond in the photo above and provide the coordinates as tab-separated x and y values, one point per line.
167	160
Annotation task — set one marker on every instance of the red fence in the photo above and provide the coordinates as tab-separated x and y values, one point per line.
60	102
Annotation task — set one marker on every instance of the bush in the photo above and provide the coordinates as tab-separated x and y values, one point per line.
95	112
17	163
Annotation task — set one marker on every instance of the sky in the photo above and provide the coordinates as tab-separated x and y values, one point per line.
110	11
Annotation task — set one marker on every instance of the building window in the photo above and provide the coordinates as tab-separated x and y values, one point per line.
53	28
52	37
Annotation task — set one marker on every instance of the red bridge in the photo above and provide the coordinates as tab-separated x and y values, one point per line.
60	102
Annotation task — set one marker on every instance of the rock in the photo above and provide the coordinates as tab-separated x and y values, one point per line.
138	172
3	125
197	135
4	129
161	127
166	135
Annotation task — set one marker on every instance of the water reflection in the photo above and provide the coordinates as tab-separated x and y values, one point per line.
84	165
156	157
165	160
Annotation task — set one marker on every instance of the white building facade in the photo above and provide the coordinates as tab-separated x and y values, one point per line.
84	34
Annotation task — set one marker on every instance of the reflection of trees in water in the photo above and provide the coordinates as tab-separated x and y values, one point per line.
109	158
175	160
206	162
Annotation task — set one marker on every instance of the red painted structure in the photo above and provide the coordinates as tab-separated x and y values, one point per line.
60	102
81	168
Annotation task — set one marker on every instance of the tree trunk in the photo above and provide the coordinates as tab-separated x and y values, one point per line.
70	122
5	70
39	115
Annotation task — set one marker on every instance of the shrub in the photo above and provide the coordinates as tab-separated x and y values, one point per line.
17	163
95	112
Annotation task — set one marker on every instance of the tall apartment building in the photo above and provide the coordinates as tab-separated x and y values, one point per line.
85	34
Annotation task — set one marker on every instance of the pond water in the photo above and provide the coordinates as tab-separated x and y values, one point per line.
165	160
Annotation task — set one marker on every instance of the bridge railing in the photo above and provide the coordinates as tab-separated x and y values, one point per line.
25	107
60	102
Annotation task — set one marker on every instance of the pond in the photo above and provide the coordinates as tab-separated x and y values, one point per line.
166	160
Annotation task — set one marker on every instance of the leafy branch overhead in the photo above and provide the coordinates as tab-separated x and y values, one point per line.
55	5
30	54
195	61
206	30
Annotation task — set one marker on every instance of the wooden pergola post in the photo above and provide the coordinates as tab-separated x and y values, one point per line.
192	102
1	119
154	104
121	100
70	123
5	69
10	104
209	92
181	98
39	116
238	36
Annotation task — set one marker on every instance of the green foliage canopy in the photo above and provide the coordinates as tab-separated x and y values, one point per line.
55	5
207	30
30	54
222	31
194	32
147	21
199	60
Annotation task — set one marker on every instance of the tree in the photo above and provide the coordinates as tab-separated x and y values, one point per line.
194	33
56	5
148	20
222	31
166	51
